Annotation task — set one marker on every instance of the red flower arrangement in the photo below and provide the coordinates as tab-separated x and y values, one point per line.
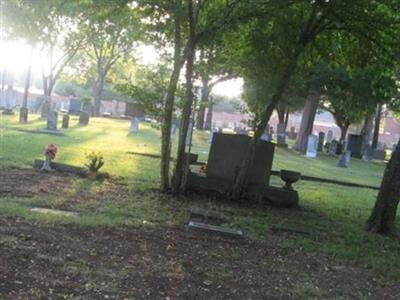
51	151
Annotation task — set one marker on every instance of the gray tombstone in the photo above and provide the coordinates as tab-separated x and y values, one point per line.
65	121
189	134
84	118
134	126
281	135
321	139
329	136
173	131
52	118
292	133
380	146
266	135
227	153
344	159
354	144
312	146
75	106
46	107
379	154
23	115
333	147
368	153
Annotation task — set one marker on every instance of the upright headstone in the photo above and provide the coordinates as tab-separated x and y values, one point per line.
173	131
75	106
266	135
292	133
333	147
227	153
368	153
84	118
189	133
65	121
213	130
134	126
344	159
379	154
321	139
281	135
329	136
312	146
354	144
23	115
46	107
52	117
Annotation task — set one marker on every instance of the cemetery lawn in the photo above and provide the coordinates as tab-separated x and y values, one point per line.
128	240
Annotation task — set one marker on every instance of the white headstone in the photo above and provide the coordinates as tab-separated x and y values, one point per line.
189	133
173	130
134	125
312	146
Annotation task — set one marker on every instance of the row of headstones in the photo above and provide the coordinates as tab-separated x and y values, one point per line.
52	120
134	129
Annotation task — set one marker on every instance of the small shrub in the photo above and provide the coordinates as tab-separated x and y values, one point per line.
94	162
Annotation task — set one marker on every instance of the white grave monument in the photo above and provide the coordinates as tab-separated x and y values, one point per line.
312	146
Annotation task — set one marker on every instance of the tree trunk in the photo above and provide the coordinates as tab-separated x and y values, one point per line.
205	91
27	81
307	120
169	102
208	123
382	219
287	117
281	114
182	160
378	116
366	131
343	132
98	91
242	178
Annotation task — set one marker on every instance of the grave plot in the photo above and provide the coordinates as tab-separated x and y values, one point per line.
18	182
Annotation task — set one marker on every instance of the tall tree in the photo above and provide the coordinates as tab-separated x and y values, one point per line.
110	30
306	21
383	216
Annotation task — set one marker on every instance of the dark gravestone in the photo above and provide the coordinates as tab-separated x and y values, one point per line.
75	106
333	147
52	118
46	107
344	159
281	135
321	139
292	135
8	111
380	154
228	152
23	115
84	118
134	110
65	121
354	144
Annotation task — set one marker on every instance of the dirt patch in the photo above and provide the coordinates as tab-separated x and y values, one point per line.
19	182
68	261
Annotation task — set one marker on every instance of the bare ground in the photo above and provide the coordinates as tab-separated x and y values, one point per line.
54	261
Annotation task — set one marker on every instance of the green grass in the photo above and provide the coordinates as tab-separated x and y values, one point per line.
335	215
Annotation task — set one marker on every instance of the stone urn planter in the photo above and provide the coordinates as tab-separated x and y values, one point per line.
289	177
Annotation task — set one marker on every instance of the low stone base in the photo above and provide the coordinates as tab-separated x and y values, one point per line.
38	163
8	112
275	196
227	232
